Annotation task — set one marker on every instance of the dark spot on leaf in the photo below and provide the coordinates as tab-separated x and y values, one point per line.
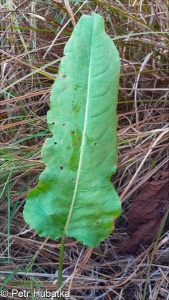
53	123
92	116
73	132
63	124
55	143
73	180
61	167
63	76
95	144
79	138
75	144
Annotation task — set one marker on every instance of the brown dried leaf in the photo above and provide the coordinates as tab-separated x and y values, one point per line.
146	213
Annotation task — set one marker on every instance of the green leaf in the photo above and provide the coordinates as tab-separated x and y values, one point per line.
74	196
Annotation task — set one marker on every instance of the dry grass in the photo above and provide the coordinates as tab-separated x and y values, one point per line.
33	35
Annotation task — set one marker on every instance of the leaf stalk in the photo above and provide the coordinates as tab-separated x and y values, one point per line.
62	245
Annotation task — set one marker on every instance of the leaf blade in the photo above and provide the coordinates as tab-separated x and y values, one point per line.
79	157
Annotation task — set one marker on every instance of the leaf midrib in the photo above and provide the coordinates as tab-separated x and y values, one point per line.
83	141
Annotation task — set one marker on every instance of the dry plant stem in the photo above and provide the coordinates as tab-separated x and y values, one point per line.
70	12
85	259
145	178
32	94
143	161
81	265
36	255
62	30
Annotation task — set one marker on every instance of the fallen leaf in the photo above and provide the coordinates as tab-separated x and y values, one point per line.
146	213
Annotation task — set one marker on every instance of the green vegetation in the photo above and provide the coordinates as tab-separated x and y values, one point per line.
33	37
74	196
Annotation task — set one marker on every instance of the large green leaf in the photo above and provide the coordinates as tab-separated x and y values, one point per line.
74	196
